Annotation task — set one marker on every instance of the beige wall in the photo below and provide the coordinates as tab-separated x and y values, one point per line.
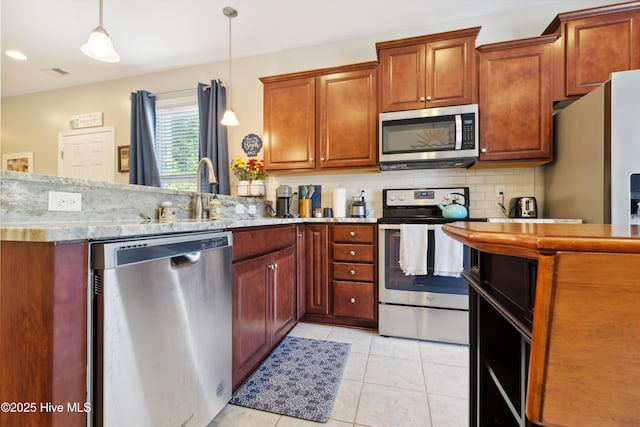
32	122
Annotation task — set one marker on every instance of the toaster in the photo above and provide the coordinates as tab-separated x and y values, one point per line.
523	207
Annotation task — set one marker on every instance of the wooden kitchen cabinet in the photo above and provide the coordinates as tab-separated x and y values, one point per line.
515	104
317	268
321	119
429	71
594	43
289	124
264	295
43	329
342	274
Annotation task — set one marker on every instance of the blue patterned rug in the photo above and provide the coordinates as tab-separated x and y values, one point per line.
299	379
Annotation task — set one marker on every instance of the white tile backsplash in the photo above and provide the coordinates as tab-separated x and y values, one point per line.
481	183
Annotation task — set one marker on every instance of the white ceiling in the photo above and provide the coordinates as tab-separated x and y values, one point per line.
156	35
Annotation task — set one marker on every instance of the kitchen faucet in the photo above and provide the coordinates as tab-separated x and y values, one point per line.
212	180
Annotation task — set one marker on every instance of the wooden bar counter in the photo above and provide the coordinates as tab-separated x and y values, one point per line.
555	323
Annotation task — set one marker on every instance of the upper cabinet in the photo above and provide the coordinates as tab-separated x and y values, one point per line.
428	71
515	101
321	120
593	44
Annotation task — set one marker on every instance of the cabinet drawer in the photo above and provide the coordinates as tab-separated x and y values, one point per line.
257	241
362	253
353	299
352	233
353	271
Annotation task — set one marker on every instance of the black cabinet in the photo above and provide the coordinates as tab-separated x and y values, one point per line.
502	295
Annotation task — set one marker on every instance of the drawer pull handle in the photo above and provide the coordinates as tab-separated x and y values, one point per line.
352	253
352	233
352	272
352	300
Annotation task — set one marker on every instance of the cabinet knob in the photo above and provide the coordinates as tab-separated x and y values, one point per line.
352	300
322	159
422	99
300	235
352	233
275	266
352	253
352	272
429	98
311	159
483	150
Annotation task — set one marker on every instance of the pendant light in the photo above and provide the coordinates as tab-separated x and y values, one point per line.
229	118
99	45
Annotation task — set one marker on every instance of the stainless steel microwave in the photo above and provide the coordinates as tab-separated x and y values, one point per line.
429	138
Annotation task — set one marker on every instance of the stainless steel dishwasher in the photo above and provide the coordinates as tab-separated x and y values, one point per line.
160	336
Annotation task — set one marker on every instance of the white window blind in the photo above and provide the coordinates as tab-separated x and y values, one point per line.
176	146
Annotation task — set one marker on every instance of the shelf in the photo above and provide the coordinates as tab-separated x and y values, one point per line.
506	378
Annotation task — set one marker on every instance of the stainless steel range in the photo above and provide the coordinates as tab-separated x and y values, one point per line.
422	306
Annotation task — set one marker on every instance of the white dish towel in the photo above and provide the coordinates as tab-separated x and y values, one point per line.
448	254
414	240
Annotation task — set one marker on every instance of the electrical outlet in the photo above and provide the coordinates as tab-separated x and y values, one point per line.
239	209
500	194
65	202
252	209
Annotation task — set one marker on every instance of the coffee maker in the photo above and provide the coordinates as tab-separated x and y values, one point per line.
358	206
283	201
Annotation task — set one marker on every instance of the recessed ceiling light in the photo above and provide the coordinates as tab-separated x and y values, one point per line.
16	54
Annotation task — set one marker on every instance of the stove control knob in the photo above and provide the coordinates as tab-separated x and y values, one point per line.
402	197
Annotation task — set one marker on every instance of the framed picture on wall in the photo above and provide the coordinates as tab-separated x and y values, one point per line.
18	162
123	158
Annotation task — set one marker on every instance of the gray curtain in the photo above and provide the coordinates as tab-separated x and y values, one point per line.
212	102
143	168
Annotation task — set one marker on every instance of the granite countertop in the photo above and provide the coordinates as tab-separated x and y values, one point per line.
87	230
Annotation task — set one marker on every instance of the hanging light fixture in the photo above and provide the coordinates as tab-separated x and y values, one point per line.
229	118
99	45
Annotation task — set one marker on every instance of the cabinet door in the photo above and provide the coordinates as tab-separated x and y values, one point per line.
599	45
402	75
283	292
450	72
515	103
289	124
347	131
251	328
317	266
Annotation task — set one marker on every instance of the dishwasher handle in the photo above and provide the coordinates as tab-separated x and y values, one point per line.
186	259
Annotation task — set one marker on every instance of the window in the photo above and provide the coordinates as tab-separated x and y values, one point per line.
177	142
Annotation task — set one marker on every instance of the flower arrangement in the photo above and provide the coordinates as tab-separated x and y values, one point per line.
251	169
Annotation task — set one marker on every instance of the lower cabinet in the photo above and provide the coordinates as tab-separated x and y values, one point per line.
264	301
43	326
341	274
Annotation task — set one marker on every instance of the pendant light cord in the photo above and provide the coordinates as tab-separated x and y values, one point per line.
101	14
229	88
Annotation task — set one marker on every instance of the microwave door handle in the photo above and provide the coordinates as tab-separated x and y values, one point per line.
458	119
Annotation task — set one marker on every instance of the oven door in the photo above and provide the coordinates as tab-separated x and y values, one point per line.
421	291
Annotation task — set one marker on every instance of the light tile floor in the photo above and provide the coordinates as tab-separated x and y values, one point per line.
388	382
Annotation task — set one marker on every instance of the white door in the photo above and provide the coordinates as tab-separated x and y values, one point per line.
87	154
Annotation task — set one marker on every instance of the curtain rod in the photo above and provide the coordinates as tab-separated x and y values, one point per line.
177	91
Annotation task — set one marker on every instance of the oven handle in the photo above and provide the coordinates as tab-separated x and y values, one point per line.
397	226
